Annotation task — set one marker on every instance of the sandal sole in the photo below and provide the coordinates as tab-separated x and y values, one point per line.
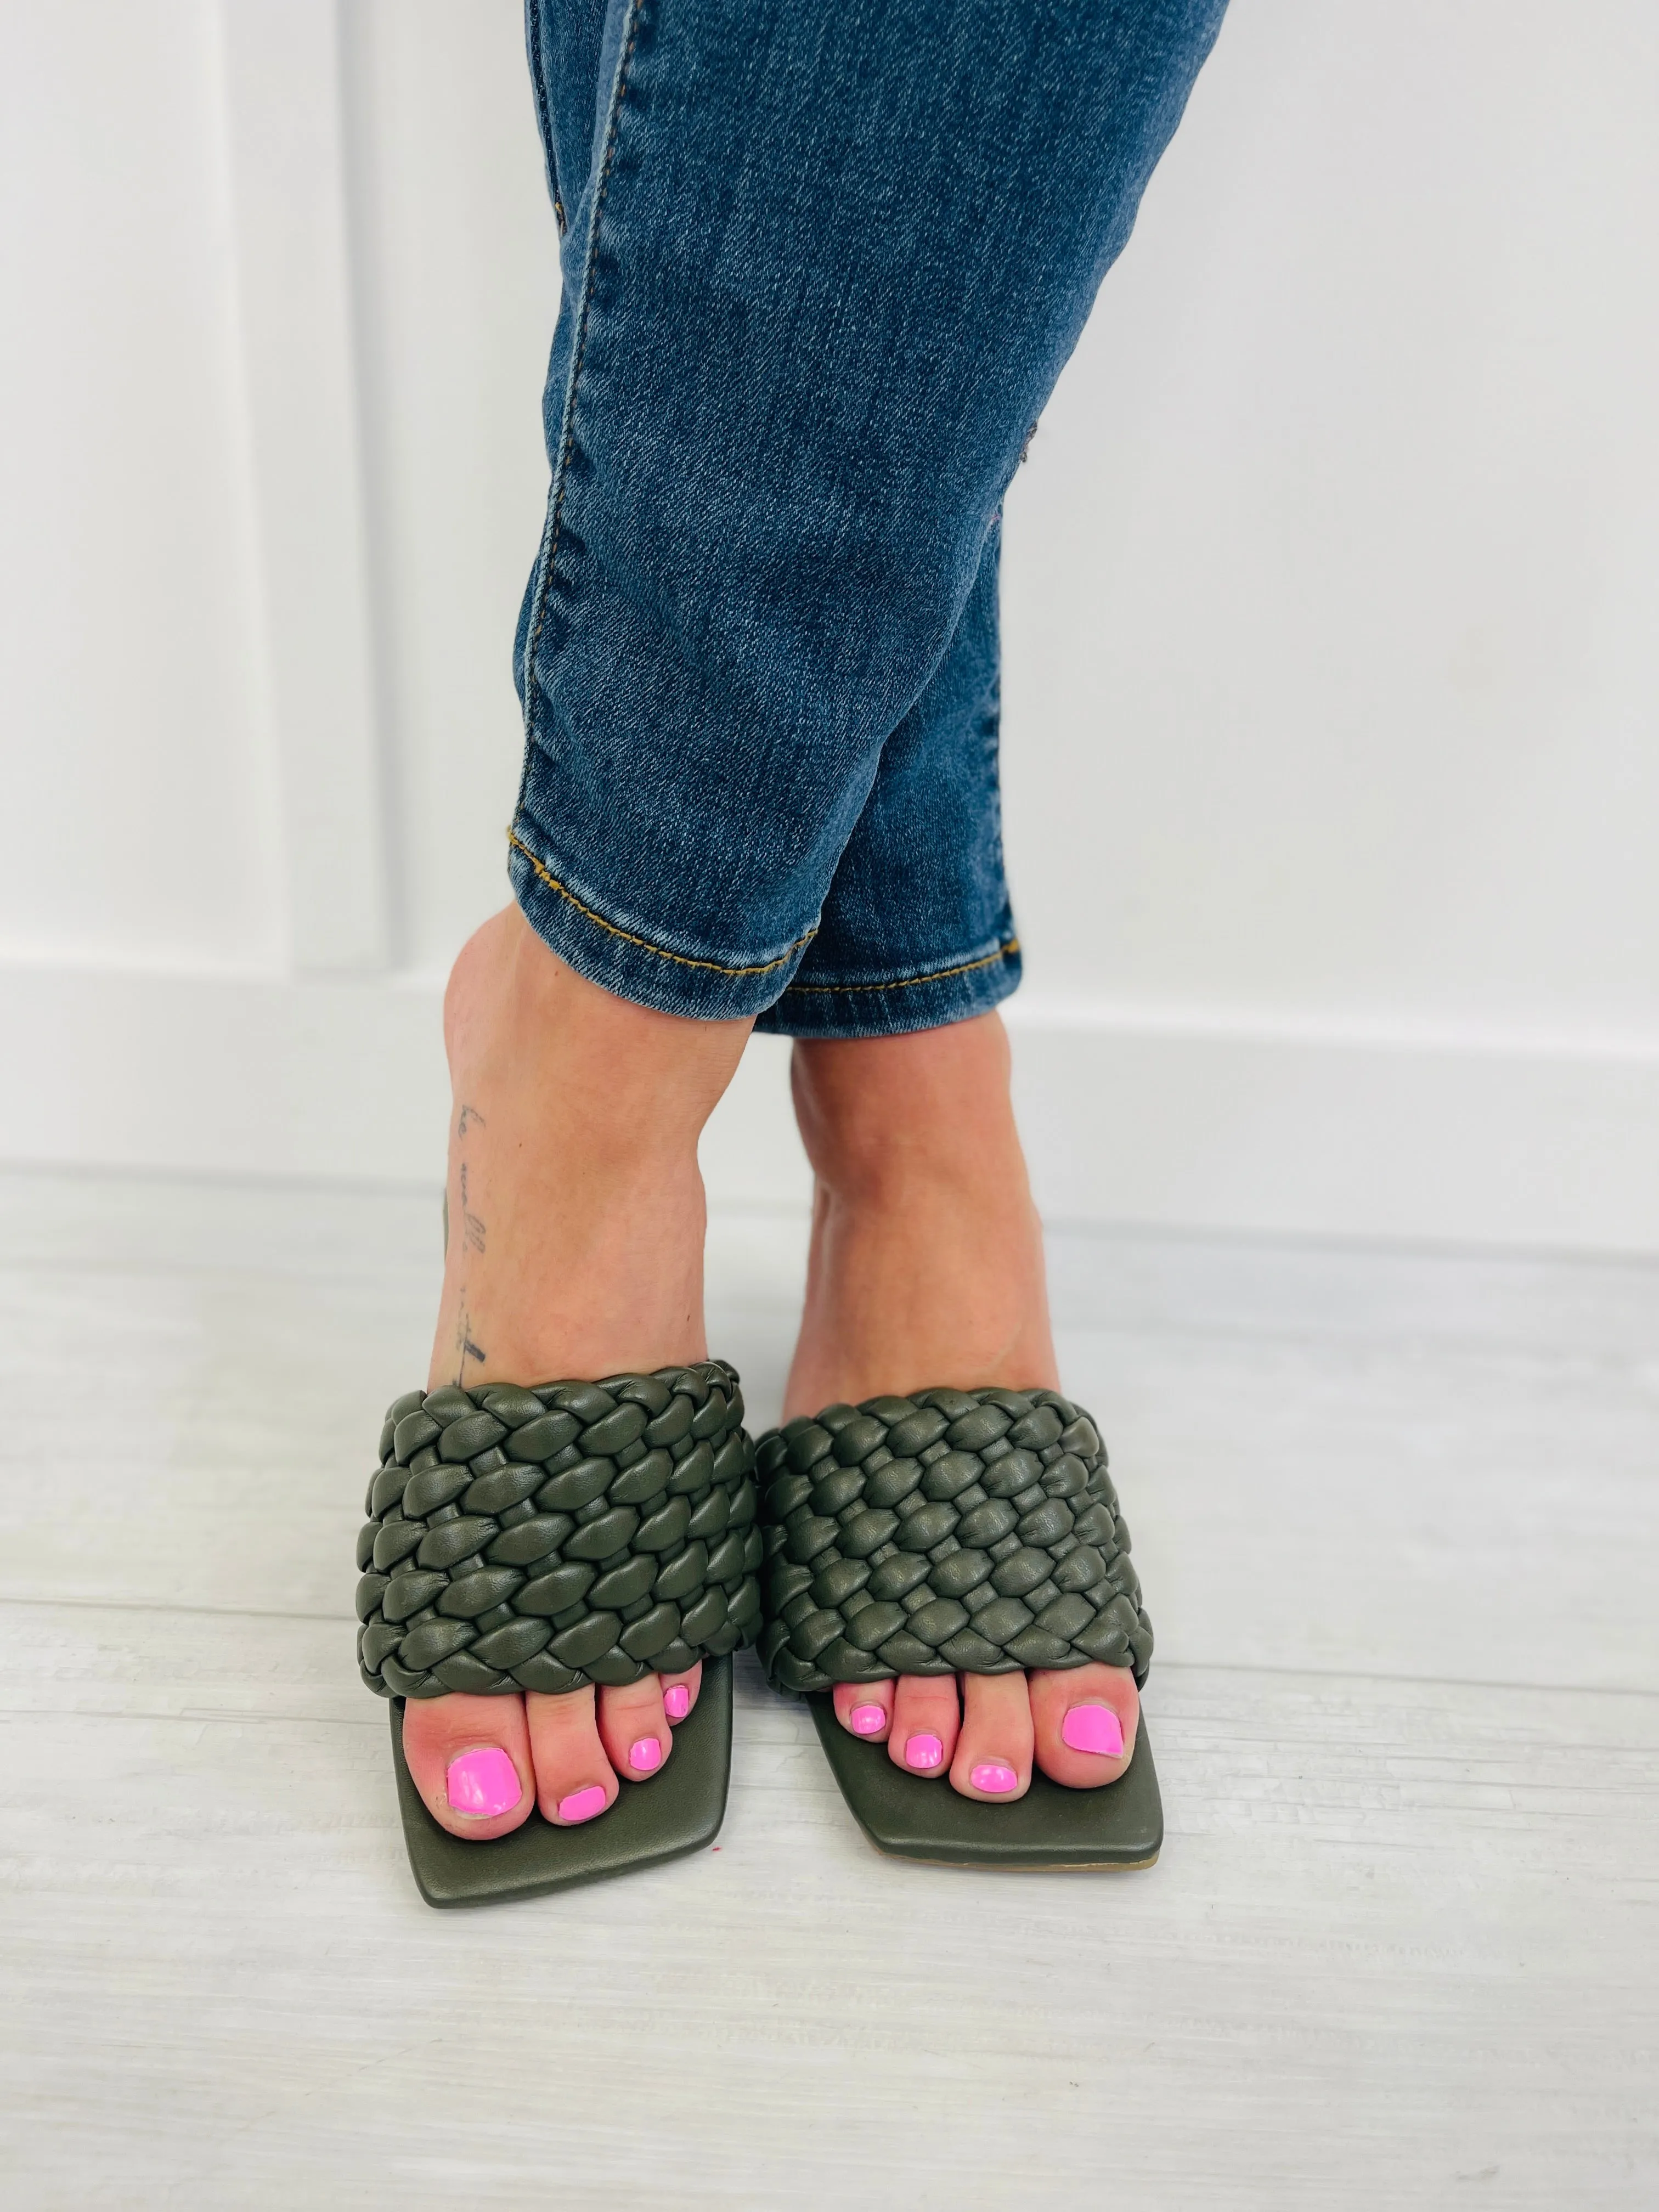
1051	1830
679	1810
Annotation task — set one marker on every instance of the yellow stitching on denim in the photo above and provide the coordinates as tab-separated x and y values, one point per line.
680	959
909	982
538	79
555	519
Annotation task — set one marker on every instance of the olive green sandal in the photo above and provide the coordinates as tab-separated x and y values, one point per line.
970	1531
543	1539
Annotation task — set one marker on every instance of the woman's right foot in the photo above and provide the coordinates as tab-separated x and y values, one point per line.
926	1268
576	1222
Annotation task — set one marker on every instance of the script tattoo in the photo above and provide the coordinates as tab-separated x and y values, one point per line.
475	1238
472	1222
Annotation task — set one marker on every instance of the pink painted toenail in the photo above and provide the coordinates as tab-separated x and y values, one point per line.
993	1777
1093	1728
866	1720
646	1756
923	1751
481	1783
677	1702
582	1804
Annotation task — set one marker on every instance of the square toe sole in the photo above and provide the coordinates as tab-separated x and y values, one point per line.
1116	1827
678	1810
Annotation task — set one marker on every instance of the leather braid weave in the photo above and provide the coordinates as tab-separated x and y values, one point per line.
579	1531
955	1529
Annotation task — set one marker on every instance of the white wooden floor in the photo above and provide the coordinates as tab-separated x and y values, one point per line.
1399	1521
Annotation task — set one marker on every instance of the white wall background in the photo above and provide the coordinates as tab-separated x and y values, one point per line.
1332	746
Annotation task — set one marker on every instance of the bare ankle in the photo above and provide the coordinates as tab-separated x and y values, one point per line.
931	1108
927	1256
575	1205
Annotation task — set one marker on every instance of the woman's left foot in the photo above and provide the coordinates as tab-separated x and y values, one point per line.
926	1269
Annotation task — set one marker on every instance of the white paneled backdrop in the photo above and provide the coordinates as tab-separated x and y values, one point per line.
1332	614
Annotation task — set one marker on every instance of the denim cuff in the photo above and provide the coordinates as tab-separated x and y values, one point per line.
890	1006
676	980
619	955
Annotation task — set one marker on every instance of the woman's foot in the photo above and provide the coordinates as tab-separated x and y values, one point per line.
926	1269
575	1250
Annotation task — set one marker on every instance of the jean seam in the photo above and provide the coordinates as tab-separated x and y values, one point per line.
568	427
680	959
533	25
909	982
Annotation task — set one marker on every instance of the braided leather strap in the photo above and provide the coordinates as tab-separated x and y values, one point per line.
579	1531
971	1529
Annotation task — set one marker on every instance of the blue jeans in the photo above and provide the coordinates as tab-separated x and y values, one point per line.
823	262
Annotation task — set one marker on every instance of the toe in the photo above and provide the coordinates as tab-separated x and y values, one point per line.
679	1693
575	1780
633	1727
993	1760
1086	1719
470	1760
865	1709
925	1718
